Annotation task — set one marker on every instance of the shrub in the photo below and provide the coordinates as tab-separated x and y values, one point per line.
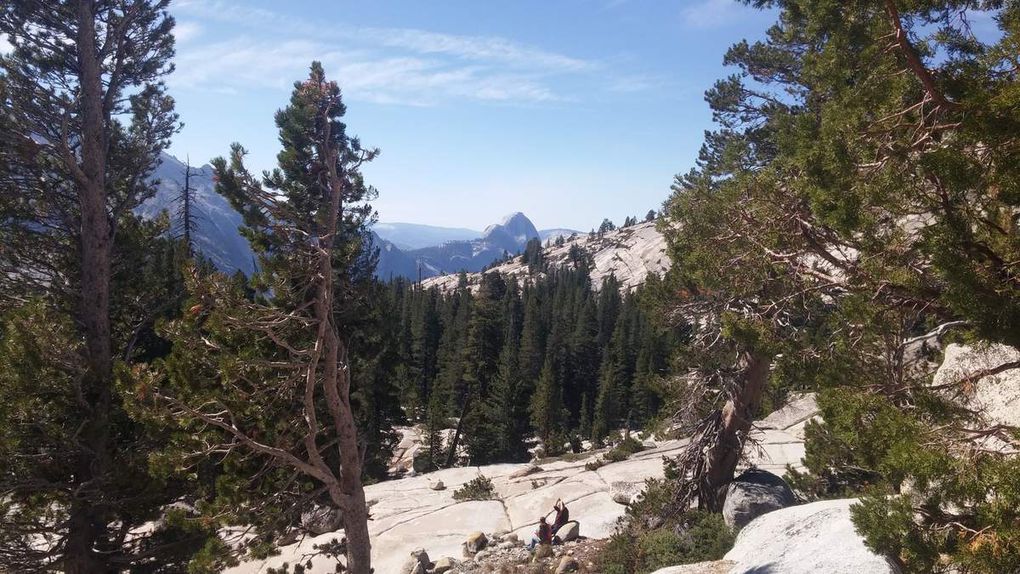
615	455
697	537
478	489
630	445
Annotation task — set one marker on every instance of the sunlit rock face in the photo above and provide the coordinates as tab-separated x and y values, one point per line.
408	514
630	254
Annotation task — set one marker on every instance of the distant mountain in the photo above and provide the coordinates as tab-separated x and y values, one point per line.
409	236
507	237
630	254
216	235
458	249
547	234
393	261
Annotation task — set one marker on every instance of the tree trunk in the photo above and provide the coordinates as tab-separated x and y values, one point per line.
451	457
86	522
737	416
336	381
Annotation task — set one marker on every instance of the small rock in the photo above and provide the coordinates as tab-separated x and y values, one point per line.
623	492
475	542
568	564
511	537
443	565
543	551
482	555
506	545
438	485
418	563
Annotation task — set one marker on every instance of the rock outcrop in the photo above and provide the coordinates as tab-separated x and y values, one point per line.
407	514
805	539
630	254
754	493
997	394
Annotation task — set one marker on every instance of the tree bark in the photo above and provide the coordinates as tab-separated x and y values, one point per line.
737	416
348	493
86	523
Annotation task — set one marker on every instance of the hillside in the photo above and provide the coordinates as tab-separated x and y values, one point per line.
629	253
411	513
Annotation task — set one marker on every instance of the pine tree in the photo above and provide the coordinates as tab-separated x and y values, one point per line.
481	357
547	412
84	117
878	138
501	431
267	378
187	216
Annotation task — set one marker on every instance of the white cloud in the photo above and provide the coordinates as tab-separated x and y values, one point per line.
387	65
186	31
246	63
713	13
5	44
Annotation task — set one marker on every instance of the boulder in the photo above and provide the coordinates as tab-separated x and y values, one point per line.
444	565
753	493
482	555
806	539
438	485
569	531
510	537
624	492
418	563
321	519
567	564
475	542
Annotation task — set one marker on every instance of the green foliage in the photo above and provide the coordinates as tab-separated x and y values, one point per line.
856	195
480	488
696	537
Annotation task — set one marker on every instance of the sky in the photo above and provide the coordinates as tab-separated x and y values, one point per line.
569	111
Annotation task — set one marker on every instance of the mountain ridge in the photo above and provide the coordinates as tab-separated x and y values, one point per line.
217	236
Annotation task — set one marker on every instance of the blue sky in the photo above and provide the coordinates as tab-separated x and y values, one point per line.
567	110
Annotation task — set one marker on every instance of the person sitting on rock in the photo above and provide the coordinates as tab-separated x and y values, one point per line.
542	536
562	515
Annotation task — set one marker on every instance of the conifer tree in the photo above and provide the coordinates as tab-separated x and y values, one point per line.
852	203
83	118
267	378
547	412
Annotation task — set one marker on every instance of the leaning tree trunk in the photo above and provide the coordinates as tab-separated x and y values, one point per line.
86	522
737	415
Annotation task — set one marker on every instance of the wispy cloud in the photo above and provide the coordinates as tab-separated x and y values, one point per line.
386	65
186	31
706	14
